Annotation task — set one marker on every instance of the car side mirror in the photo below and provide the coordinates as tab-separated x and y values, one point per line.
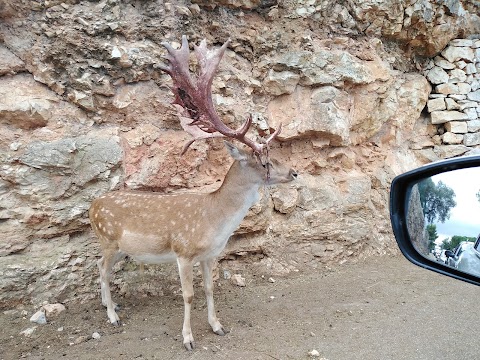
435	209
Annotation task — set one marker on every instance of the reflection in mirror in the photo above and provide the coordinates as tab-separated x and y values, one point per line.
443	219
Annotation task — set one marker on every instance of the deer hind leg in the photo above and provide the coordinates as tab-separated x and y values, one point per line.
103	286
185	269
207	268
105	265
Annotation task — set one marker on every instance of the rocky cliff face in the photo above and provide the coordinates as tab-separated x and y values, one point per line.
84	109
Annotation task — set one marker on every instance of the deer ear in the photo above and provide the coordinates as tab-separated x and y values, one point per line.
235	152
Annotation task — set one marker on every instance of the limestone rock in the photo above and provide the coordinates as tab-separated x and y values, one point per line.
278	83
457	127
455	53
449	151
238	280
284	200
462	42
474	96
9	62
28	332
25	103
326	67
471	139
444	64
447	89
322	111
39	317
451	138
451	104
436	104
473	125
437	75
464	88
53	309
242	4
456	76
440	117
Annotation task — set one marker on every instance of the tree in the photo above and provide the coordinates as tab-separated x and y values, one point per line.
432	235
454	241
436	200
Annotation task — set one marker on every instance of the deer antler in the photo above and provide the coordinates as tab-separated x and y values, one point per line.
193	93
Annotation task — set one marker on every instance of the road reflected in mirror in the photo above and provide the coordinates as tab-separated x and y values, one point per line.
443	219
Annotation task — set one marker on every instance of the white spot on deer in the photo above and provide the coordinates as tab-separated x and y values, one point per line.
172	222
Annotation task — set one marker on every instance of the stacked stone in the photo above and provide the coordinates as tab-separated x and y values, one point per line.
455	99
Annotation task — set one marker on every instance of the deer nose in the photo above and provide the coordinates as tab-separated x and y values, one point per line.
293	173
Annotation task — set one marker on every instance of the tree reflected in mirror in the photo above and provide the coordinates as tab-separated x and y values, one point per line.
443	219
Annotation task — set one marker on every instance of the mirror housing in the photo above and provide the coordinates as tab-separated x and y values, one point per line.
400	193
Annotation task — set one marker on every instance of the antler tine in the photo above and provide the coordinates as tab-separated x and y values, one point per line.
274	135
178	59
208	62
193	94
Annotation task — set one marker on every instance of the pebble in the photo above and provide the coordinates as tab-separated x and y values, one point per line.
79	340
39	317
96	335
29	331
116	54
53	309
238	280
314	353
227	275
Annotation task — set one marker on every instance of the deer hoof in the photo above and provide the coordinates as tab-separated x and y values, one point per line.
190	345
222	331
117	323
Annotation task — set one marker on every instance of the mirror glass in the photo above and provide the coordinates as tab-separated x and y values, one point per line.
443	219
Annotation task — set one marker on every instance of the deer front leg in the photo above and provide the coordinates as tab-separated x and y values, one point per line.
207	267
185	269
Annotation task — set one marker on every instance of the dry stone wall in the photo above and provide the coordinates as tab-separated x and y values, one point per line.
454	104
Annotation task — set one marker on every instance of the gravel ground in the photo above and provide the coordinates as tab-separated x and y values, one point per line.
383	308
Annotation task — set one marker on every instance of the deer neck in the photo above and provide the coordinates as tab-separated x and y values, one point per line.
239	190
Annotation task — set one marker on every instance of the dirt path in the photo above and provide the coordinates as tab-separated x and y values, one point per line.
385	308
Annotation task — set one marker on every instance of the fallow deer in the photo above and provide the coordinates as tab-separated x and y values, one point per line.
190	227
